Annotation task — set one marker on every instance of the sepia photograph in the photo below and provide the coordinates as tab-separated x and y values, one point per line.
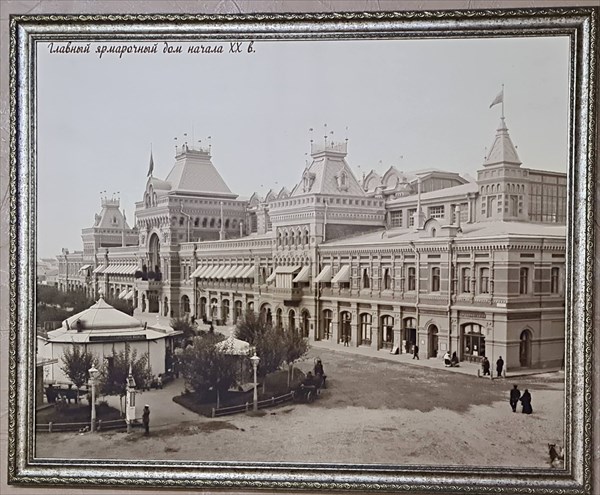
304	250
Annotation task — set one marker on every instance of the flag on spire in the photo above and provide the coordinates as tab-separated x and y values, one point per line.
499	98
151	168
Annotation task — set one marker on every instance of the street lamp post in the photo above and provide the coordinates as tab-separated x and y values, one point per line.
255	359
93	374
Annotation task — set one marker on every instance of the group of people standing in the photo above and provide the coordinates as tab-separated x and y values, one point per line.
485	366
515	397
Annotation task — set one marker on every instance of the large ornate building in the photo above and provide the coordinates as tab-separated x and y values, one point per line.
429	258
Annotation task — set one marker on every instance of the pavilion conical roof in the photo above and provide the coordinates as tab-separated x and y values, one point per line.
503	150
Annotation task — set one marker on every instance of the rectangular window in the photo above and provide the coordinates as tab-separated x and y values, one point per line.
523	280
395	218
554	277
411	217
436	211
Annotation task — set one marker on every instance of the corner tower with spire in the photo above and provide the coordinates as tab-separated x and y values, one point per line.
503	184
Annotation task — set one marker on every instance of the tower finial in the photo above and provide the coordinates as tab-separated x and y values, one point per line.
151	166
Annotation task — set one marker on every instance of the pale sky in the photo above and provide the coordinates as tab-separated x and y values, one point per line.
409	103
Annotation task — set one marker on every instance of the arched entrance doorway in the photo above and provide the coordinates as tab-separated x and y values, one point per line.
327	324
185	305
433	340
525	349
214	308
292	321
473	342
409	335
279	319
202	308
386	332
225	312
237	311
305	323
345	334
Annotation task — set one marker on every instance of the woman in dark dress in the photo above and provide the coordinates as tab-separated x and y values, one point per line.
526	402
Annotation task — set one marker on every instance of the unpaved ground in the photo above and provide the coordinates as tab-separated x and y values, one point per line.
373	411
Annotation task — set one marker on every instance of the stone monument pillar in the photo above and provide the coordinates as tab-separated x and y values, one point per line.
130	401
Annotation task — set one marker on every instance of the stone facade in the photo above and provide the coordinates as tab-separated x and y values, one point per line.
428	258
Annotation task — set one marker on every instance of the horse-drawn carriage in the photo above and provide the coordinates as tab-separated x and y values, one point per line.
311	386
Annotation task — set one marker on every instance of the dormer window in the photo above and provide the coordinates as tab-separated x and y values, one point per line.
308	180
342	181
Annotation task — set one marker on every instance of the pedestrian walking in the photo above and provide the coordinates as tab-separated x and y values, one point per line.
346	340
416	352
515	395
526	402
485	366
499	366
146	419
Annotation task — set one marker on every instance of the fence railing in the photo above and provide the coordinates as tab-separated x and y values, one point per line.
101	425
273	401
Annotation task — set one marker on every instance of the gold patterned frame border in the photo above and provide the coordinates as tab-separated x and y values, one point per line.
579	24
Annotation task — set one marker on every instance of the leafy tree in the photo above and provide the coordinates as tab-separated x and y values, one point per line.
205	367
295	347
115	370
251	327
189	330
270	348
76	363
121	304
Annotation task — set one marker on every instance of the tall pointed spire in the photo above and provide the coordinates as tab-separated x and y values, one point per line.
151	167
502	150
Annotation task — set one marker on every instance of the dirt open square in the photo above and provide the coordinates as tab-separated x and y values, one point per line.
373	411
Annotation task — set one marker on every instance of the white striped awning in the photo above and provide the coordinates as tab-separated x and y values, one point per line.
303	276
129	295
324	275
120	269
238	271
219	272
228	273
271	277
343	275
210	273
99	269
225	273
122	294
197	271
248	272
84	267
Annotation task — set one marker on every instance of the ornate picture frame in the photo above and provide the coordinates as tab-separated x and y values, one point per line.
580	25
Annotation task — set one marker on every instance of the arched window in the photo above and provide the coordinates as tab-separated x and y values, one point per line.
227	223
185	304
292	321
365	329
306	237
484	281
196	222
279	318
204	222
345	333
411	278
181	220
466	280
212	223
387	279
285	239
366	281
435	279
